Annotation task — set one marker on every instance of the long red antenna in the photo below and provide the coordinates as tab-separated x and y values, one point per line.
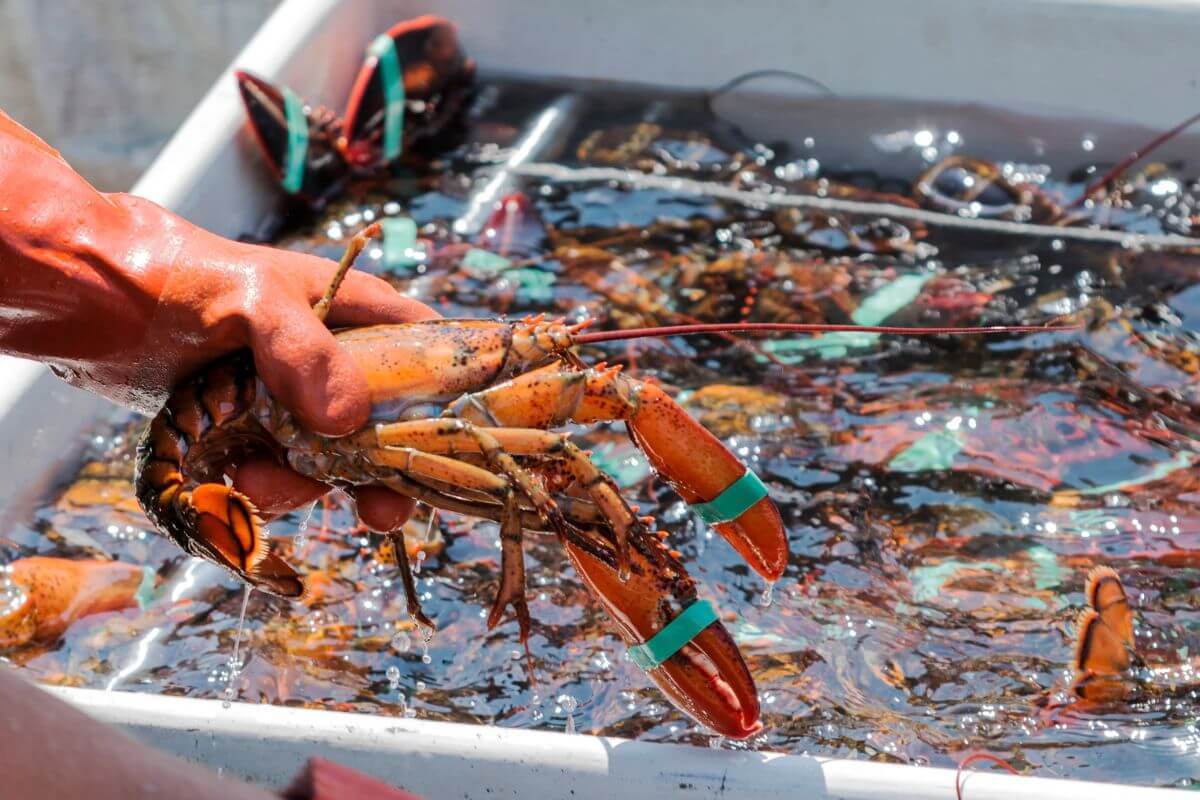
784	327
1128	161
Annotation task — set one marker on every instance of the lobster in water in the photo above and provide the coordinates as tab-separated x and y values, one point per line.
413	84
461	419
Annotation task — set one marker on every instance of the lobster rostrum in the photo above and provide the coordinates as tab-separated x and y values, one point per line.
413	83
462	412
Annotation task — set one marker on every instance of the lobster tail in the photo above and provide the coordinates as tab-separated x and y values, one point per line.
1107	596
299	142
207	520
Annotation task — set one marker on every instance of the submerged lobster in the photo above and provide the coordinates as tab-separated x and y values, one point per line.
461	410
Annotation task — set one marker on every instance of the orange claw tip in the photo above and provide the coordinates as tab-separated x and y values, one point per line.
709	680
275	576
759	537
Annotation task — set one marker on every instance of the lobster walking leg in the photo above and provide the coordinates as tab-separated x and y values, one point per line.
439	436
698	466
512	571
411	597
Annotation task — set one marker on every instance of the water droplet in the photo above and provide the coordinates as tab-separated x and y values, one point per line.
235	661
401	642
569	704
392	673
767	596
307	516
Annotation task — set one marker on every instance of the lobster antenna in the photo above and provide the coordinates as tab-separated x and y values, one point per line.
777	327
1129	160
357	243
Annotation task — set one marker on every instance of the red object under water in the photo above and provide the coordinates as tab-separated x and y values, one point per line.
325	780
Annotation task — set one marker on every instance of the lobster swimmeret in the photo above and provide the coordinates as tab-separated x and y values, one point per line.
461	412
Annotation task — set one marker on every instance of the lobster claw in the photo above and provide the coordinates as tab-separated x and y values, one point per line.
433	80
707	677
321	167
700	467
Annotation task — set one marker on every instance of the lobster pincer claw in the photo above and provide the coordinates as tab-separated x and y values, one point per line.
675	637
414	81
300	143
722	490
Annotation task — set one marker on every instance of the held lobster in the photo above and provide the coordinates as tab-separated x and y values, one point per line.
461	412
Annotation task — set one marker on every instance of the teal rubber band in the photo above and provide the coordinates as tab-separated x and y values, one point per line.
297	145
671	639
399	242
384	50
736	500
145	591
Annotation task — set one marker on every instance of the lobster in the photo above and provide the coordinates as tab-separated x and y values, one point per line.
461	418
413	84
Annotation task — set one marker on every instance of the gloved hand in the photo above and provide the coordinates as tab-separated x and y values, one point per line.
125	299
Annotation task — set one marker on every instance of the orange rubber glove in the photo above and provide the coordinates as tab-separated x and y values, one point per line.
124	298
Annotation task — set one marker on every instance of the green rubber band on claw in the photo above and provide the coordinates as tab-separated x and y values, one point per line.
736	500
297	142
384	50
671	639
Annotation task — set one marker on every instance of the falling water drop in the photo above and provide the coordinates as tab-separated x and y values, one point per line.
426	638
569	704
235	663
401	642
392	674
302	530
768	595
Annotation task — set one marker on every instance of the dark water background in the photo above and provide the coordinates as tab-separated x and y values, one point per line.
944	499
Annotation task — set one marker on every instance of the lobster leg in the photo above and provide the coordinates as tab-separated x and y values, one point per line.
440	436
637	582
512	571
406	578
698	466
578	512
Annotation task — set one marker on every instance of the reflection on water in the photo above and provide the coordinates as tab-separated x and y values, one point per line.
945	499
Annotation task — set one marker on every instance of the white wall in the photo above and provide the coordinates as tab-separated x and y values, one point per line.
108	81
